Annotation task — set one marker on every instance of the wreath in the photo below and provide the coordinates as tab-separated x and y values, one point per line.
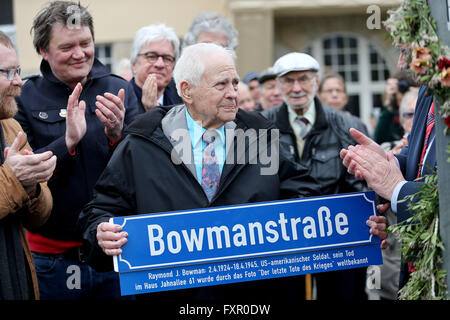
413	31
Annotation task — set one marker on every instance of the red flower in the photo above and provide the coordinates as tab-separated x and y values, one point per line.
444	63
447	121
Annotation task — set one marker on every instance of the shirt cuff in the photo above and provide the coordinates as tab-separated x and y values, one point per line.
394	197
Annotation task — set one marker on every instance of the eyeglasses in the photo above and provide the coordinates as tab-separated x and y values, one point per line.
11	73
303	80
152	57
408	115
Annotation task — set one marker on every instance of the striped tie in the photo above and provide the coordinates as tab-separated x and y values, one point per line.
303	122
210	166
429	129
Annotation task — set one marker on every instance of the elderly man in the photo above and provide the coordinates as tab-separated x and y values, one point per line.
149	172
314	135
25	198
211	27
269	90
153	55
82	136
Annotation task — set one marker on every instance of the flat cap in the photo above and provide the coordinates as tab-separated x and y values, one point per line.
295	61
267	74
250	76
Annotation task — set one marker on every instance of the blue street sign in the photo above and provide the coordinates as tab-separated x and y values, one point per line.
219	245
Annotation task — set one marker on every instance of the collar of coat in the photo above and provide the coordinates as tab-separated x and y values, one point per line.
280	116
98	71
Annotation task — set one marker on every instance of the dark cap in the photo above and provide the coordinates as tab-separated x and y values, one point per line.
250	76
267	74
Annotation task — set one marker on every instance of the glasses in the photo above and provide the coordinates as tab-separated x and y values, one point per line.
152	57
303	80
408	115
11	73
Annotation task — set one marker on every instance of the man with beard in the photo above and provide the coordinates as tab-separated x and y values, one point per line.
25	199
314	134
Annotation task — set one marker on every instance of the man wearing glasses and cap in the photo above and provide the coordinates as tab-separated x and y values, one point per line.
314	134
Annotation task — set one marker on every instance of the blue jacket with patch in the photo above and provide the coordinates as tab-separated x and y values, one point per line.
42	107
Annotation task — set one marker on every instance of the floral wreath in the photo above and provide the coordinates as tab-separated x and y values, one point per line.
413	31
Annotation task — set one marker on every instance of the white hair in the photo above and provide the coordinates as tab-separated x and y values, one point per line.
191	64
211	22
151	33
408	100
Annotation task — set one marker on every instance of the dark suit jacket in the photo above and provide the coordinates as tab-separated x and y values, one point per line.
410	156
170	94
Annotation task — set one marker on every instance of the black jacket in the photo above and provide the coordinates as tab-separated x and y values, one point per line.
323	144
141	178
170	95
41	114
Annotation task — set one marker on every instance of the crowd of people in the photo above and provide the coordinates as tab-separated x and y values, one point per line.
81	145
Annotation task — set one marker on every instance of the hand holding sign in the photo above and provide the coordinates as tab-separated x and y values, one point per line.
110	239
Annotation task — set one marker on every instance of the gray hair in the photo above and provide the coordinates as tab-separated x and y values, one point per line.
191	65
211	22
151	33
70	14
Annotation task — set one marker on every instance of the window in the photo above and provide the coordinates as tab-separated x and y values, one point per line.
103	52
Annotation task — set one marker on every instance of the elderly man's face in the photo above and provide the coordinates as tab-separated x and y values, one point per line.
213	37
70	53
162	67
270	94
299	88
333	93
9	89
215	100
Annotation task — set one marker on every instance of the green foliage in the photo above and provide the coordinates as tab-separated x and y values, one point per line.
422	245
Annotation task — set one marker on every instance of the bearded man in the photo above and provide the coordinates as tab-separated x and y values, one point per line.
25	199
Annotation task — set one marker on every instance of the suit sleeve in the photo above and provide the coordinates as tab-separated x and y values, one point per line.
409	188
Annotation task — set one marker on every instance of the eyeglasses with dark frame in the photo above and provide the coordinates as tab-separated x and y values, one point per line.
11	73
152	57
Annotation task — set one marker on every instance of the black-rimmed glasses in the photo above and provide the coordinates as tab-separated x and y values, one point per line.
152	57
11	73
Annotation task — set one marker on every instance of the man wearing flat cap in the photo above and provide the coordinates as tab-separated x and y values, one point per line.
314	134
